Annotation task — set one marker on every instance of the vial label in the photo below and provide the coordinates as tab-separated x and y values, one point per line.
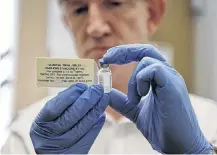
58	72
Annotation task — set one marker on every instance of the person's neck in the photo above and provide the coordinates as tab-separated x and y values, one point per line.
120	77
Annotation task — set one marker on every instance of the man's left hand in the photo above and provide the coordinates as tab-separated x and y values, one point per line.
165	117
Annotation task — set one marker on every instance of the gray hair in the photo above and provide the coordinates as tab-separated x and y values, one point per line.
59	2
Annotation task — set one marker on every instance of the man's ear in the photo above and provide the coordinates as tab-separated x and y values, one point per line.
156	10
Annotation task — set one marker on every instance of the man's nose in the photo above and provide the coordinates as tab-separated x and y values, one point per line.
98	26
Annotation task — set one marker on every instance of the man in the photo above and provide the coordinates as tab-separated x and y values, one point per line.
71	121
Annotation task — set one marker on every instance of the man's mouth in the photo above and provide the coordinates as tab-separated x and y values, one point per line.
96	52
99	50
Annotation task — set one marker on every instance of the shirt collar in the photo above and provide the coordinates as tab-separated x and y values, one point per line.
111	119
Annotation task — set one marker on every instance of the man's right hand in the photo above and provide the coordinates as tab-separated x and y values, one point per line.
70	122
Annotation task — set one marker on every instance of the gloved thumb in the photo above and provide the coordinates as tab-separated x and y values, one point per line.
120	103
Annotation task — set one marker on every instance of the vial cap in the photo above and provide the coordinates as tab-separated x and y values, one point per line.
103	65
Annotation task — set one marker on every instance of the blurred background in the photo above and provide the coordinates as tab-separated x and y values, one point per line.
32	28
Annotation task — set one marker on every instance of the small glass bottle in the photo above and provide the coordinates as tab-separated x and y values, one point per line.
105	77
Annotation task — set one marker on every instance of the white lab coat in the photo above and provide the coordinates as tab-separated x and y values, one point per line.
116	137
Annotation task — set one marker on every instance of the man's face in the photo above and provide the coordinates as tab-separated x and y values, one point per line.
97	25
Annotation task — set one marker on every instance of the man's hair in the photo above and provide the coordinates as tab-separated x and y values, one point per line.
59	1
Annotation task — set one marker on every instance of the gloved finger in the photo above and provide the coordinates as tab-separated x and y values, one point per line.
133	95
78	110
88	139
87	122
56	106
120	103
65	141
153	74
128	53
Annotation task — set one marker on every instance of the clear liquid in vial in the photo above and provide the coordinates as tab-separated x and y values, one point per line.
105	78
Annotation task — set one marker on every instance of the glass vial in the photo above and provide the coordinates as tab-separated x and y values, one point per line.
105	77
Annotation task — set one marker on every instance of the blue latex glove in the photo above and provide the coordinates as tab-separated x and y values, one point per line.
165	116
70	122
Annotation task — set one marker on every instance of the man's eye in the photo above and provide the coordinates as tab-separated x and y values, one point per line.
113	4
81	10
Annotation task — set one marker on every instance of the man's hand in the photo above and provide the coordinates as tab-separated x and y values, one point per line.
70	122
165	116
